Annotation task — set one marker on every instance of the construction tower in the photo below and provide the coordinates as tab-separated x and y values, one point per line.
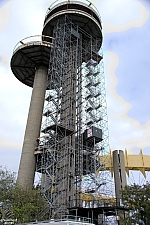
66	132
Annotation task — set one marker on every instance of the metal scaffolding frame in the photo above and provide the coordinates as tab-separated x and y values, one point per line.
74	131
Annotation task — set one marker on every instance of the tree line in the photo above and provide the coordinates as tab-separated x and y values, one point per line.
24	205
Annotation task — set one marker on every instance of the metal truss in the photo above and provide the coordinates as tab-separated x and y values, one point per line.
68	154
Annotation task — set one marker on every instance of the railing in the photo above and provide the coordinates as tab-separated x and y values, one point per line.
74	219
103	202
64	218
34	40
84	2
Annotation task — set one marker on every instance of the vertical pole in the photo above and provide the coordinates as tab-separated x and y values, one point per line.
27	163
119	173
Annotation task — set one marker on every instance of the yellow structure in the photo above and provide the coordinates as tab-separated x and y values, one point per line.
132	162
91	199
138	162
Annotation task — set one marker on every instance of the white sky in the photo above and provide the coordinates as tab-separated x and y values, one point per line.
126	49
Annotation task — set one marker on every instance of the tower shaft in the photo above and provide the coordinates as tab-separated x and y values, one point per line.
27	162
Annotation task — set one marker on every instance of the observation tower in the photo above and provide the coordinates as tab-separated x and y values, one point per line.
66	132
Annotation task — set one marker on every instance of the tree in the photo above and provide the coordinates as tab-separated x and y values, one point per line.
27	204
7	183
18	202
136	199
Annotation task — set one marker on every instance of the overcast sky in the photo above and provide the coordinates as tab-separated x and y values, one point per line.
126	47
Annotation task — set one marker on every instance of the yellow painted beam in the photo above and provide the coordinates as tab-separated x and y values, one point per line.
132	162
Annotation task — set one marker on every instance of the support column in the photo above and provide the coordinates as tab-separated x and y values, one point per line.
27	163
119	173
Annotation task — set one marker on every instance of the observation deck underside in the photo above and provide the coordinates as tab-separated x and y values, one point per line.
26	58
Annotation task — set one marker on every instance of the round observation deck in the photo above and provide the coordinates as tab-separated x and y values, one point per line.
84	14
27	55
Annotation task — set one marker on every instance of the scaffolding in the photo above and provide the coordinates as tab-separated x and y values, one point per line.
74	131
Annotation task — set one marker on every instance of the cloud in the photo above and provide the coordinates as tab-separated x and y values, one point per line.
120	123
9	144
4	59
14	104
4	16
138	22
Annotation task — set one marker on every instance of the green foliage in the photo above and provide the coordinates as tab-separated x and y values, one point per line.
22	204
7	183
27	204
136	199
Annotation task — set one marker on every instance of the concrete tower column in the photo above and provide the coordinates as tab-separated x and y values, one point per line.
119	173
27	163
